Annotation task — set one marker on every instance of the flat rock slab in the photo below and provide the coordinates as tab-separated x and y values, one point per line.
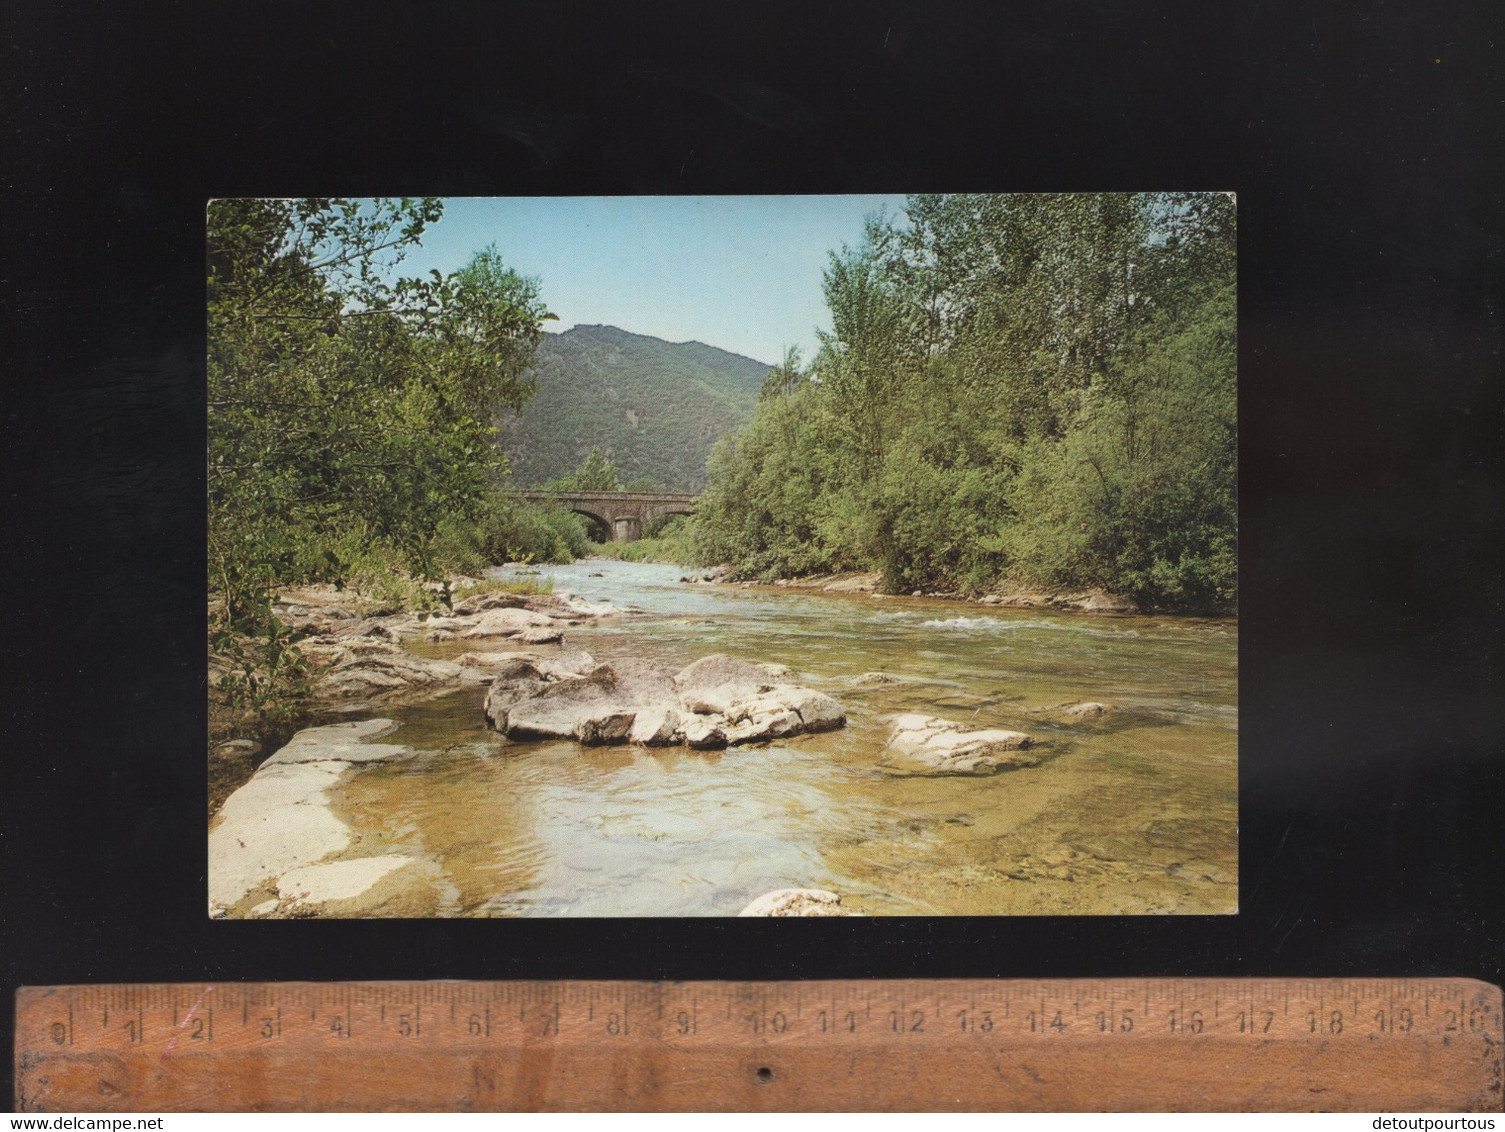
313	887
576	606
492	623
377	672
557	666
929	744
281	819
277	821
797	902
479	603
340	742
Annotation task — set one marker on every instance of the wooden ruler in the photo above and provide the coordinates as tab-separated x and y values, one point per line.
1101	1044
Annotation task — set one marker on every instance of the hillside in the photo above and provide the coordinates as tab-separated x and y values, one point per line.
653	407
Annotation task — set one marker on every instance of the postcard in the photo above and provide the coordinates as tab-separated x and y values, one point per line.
716	556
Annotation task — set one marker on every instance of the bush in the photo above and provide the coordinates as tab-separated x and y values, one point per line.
673	541
512	530
1036	389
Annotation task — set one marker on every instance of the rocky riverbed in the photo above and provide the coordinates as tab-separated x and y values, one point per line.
657	748
278	849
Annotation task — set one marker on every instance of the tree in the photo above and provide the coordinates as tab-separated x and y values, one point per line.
595	473
491	328
349	407
858	360
1031	387
784	378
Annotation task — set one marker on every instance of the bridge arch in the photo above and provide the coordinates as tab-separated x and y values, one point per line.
668	509
604	525
653	517
621	515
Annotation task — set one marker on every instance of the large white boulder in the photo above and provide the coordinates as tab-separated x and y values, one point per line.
716	702
597	708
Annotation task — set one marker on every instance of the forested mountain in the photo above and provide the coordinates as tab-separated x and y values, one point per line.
653	408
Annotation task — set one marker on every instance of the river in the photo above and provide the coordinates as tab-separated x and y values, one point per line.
1133	813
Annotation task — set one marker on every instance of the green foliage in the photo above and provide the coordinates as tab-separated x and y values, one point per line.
347	408
267	678
348	427
595	473
653	408
773	489
1016	388
1141	492
667	539
512	530
784	378
526	587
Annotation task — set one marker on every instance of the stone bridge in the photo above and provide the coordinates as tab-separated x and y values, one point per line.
622	513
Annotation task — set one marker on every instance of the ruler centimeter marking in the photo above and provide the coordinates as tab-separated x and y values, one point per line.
1089	1044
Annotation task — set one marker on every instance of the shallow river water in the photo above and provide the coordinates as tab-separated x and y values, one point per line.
1133	813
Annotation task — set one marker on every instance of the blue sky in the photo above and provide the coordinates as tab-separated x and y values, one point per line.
741	273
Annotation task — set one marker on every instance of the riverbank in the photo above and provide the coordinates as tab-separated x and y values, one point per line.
1014	597
1002	594
353	655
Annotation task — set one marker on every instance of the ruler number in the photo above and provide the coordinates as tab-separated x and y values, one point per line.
1192	1023
271	1027
981	1022
1105	1024
197	1033
847	1022
1251	1023
1397	1020
1333	1023
1038	1023
684	1023
915	1024
777	1022
1457	1021
616	1024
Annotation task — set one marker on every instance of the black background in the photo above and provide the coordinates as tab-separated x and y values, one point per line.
1364	149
